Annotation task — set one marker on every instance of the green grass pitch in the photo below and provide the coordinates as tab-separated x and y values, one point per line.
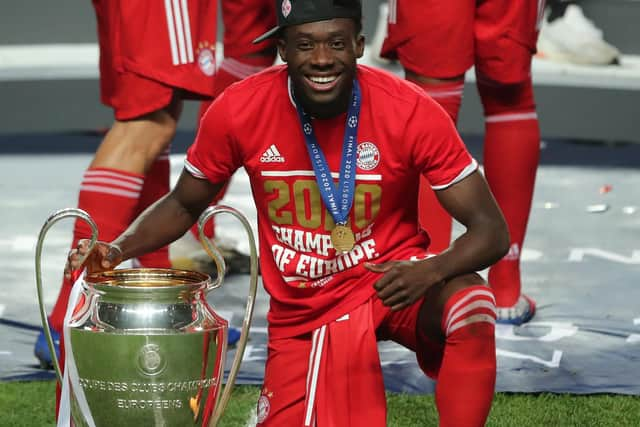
32	403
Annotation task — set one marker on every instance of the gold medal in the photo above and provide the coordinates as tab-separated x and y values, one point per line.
342	238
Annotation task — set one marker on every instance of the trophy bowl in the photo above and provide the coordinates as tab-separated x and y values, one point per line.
144	347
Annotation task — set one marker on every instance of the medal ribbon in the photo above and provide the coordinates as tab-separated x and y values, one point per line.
338	208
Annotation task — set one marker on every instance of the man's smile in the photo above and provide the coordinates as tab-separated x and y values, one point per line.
322	83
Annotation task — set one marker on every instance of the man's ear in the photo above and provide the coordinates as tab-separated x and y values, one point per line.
282	49
359	46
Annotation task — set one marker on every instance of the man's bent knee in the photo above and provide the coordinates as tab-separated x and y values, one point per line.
432	311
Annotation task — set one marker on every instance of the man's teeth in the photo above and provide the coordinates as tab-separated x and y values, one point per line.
322	79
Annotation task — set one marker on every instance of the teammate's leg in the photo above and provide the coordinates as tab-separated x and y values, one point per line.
505	36
146	115
110	191
111	186
113	189
511	155
433	40
433	217
445	91
156	185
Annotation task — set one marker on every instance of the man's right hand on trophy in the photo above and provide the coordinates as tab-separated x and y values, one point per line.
103	256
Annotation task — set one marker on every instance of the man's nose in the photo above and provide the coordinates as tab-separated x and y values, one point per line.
322	55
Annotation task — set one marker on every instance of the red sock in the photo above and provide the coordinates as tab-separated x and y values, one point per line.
433	218
156	185
467	375
511	156
110	197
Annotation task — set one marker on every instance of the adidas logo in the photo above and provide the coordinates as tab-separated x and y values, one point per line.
272	155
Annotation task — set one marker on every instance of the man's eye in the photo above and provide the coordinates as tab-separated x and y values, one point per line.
304	45
337	44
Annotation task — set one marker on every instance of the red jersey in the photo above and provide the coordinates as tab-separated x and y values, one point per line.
402	133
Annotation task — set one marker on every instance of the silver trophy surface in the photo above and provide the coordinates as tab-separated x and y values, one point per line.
147	347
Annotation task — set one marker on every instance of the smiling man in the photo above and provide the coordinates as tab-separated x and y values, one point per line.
335	152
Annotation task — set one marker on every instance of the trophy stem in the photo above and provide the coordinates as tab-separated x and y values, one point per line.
55	217
253	287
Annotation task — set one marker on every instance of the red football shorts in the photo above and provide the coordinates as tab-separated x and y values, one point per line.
444	38
150	48
245	20
282	398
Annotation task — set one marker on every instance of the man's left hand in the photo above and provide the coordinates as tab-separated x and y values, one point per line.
403	282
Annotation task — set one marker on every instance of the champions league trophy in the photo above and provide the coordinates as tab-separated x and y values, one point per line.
143	347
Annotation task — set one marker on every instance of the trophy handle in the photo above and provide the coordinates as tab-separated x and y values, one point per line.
55	217
253	286
211	247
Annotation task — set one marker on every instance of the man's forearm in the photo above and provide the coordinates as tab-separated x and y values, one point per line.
473	251
160	224
486	238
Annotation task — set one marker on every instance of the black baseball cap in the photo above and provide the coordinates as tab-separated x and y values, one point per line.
296	12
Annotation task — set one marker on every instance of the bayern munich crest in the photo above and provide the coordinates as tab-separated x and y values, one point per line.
206	58
263	408
368	156
286	8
